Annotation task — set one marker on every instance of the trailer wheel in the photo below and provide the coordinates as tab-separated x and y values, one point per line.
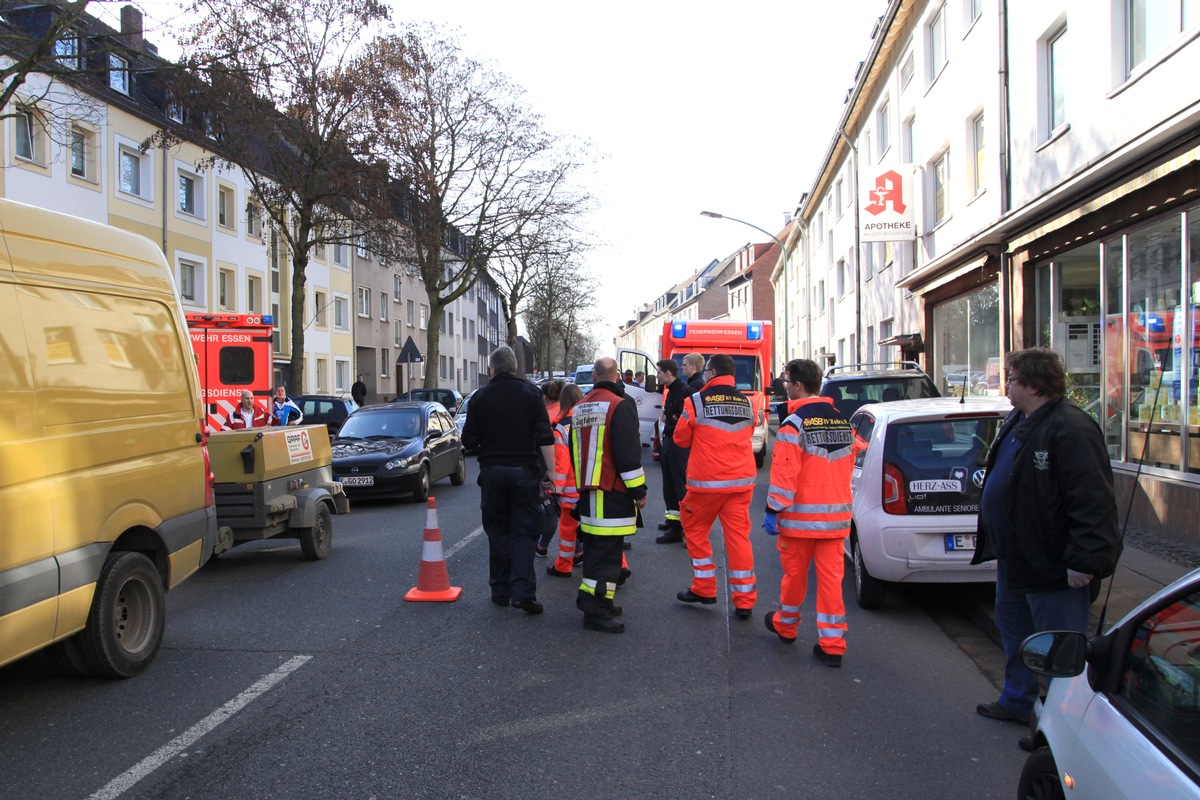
317	542
129	612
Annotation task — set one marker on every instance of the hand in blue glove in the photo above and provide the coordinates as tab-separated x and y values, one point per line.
769	524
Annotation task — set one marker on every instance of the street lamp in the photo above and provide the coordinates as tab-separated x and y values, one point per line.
782	252
715	215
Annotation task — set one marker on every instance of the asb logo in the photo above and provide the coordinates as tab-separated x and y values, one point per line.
888	192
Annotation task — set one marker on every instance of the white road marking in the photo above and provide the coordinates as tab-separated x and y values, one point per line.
122	783
463	542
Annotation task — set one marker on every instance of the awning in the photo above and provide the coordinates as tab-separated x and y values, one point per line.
935	275
905	341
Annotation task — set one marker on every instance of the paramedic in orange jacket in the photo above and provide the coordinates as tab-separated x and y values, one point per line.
808	508
564	483
606	453
717	424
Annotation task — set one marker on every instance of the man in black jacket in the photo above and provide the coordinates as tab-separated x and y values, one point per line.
672	458
509	427
1048	515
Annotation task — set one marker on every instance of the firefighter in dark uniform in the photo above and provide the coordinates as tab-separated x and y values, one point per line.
606	452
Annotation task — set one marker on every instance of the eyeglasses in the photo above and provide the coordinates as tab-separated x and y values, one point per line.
709	371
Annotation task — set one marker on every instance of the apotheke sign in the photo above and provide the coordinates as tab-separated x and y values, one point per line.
888	212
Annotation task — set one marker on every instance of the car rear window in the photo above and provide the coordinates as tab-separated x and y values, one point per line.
937	467
850	395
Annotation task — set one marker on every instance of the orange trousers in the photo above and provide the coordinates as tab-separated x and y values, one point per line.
568	535
568	539
697	511
795	554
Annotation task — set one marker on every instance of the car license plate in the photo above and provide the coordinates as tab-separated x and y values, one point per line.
362	480
960	541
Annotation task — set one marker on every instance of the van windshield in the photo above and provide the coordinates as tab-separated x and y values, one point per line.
746	374
583	376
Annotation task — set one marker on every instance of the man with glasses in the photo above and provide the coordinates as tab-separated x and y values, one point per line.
717	424
1048	515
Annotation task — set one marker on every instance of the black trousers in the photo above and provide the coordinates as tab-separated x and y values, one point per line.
510	500
673	460
602	564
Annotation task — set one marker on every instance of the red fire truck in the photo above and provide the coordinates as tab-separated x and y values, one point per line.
233	353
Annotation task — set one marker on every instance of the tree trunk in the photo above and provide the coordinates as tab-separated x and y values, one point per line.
299	267
433	337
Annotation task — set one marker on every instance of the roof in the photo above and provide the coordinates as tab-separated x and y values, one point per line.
938	406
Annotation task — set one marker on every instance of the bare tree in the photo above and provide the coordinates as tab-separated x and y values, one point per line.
286	88
479	169
31	45
557	312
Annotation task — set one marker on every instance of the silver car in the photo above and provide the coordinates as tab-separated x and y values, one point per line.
1122	715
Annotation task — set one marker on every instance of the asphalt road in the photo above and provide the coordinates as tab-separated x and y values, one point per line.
286	678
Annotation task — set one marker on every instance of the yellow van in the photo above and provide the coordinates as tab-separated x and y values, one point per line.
105	488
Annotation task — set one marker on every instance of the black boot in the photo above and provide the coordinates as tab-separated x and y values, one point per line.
603	623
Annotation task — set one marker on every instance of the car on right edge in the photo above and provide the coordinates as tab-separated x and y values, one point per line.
918	475
1121	718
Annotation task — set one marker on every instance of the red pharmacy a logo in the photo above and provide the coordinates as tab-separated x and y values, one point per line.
888	191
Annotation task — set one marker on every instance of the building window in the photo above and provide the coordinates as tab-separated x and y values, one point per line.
385	360
1151	26
253	294
383	306
442	367
364	301
397	281
841	278
341	313
321	302
134	176
253	220
837	197
225	205
883	124
361	247
191	282
82	154
977	163
907	136
820	297
935	36
190	194
322	368
820	228
940	174
118	73
225	289
341	378
450	324
66	52
974	11
399	333
409	311
1056	67
27	130
339	254
906	70
424	316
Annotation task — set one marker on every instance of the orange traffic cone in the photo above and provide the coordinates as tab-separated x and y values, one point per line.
433	581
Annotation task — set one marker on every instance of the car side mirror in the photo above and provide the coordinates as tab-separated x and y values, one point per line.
651	384
1056	654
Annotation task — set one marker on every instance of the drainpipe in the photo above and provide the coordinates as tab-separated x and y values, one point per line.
857	256
165	195
1006	276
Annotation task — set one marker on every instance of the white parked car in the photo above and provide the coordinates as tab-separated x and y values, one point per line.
1122	715
918	469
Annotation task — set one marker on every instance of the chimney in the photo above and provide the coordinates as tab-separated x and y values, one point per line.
131	27
787	218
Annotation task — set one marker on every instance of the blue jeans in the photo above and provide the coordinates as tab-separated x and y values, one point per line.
1022	614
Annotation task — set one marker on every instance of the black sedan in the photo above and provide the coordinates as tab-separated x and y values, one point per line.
398	449
328	409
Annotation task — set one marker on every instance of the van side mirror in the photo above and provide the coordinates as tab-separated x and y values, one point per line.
651	384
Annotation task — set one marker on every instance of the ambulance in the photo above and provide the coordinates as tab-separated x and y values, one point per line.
233	353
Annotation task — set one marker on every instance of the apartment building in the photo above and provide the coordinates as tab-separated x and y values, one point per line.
1054	156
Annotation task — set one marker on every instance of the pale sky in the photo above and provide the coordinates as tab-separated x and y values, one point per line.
692	106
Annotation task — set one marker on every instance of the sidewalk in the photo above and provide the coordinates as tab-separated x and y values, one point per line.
1147	564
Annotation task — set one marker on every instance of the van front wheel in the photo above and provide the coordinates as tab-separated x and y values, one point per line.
129	611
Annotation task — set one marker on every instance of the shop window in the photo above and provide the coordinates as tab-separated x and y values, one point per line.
966	343
1190	363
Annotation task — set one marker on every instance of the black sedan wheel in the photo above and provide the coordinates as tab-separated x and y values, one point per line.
459	476
421	490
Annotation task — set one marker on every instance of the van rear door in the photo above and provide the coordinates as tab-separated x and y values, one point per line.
648	396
